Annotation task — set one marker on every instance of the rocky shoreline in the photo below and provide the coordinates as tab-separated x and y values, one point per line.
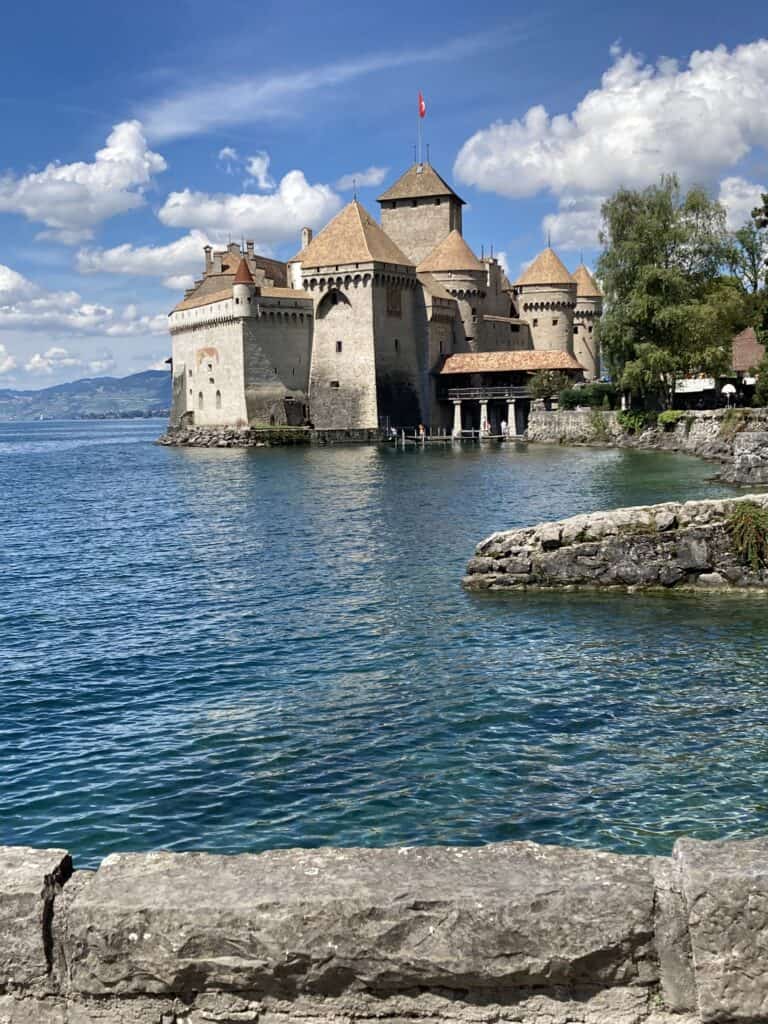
691	545
262	437
509	932
737	439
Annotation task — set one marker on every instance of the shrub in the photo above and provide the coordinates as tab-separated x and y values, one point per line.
748	526
595	396
732	423
635	421
670	418
598	425
547	383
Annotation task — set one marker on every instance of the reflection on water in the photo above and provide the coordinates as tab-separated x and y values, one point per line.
237	650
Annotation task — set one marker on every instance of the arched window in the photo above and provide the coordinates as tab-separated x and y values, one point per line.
200	400
218	399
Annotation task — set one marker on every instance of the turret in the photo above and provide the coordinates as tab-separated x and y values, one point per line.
589	308
243	288
546	298
419	211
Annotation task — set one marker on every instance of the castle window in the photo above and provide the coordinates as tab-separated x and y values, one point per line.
339	346
437	201
515	328
237	302
397	344
394	300
218	399
414	202
211	380
554	323
535	322
210	367
190	373
334	384
576	329
200	400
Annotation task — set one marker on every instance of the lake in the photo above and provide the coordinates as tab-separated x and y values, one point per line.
237	650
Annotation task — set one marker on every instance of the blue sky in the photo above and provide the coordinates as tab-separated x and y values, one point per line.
132	135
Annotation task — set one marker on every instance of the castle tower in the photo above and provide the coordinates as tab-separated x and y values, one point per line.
367	350
546	298
453	264
243	289
589	308
419	210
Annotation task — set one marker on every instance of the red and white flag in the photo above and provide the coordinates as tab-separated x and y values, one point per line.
422	105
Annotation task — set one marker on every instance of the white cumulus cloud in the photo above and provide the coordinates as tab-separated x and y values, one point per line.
740	197
699	120
176	263
7	361
370	178
26	306
270	219
72	199
257	169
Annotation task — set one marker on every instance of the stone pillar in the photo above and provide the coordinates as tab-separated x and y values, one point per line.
483	418
457	417
511	420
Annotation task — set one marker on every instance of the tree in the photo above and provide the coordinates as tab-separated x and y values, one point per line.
669	311
748	258
547	383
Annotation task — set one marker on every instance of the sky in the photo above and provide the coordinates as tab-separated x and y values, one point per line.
132	135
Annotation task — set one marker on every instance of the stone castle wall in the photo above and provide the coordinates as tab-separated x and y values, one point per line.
507	932
417	226
667	545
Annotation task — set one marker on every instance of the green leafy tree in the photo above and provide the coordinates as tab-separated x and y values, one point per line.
547	383
669	311
748	258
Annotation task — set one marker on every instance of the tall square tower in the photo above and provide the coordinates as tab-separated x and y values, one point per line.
419	211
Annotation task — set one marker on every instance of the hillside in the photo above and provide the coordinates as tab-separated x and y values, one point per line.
139	395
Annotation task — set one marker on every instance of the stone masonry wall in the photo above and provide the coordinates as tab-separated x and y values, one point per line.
507	932
736	437
667	545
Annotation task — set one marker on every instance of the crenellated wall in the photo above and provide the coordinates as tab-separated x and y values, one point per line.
507	932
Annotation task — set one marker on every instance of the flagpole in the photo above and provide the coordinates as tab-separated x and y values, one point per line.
420	153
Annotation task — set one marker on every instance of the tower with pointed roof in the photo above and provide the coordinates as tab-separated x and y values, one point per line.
367	366
589	309
546	298
419	211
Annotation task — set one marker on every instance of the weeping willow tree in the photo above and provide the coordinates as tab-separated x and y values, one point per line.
670	311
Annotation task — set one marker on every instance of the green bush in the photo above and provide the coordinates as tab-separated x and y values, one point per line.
748	526
598	424
595	396
734	421
547	383
635	421
671	417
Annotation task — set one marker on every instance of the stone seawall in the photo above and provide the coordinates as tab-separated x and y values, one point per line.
508	932
738	438
263	437
668	545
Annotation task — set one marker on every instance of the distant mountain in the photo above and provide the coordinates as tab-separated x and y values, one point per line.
139	395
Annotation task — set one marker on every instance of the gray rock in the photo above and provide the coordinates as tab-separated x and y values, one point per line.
726	890
692	554
29	882
494	919
665	519
712	579
549	536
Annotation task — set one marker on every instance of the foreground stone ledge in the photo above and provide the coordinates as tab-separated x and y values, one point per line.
671	545
511	932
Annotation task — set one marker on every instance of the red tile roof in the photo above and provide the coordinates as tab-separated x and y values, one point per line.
747	351
509	362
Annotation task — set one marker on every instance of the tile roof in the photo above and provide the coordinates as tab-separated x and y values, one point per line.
498	362
267	292
420	181
452	253
547	268
586	286
243	275
353	236
747	351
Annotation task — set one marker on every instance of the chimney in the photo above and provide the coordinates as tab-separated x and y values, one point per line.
207	250
306	237
249	248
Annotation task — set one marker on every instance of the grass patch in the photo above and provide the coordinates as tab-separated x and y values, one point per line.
748	527
734	421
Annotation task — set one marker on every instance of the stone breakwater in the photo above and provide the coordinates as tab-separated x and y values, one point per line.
508	932
737	438
262	437
667	545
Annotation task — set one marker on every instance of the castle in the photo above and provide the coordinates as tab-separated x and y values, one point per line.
374	325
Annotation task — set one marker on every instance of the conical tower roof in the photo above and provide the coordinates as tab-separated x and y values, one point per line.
353	236
586	286
420	181
452	253
243	275
547	268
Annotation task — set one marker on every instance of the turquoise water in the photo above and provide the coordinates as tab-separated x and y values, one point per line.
233	650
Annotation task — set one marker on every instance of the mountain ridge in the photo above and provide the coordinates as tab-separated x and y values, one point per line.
139	395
